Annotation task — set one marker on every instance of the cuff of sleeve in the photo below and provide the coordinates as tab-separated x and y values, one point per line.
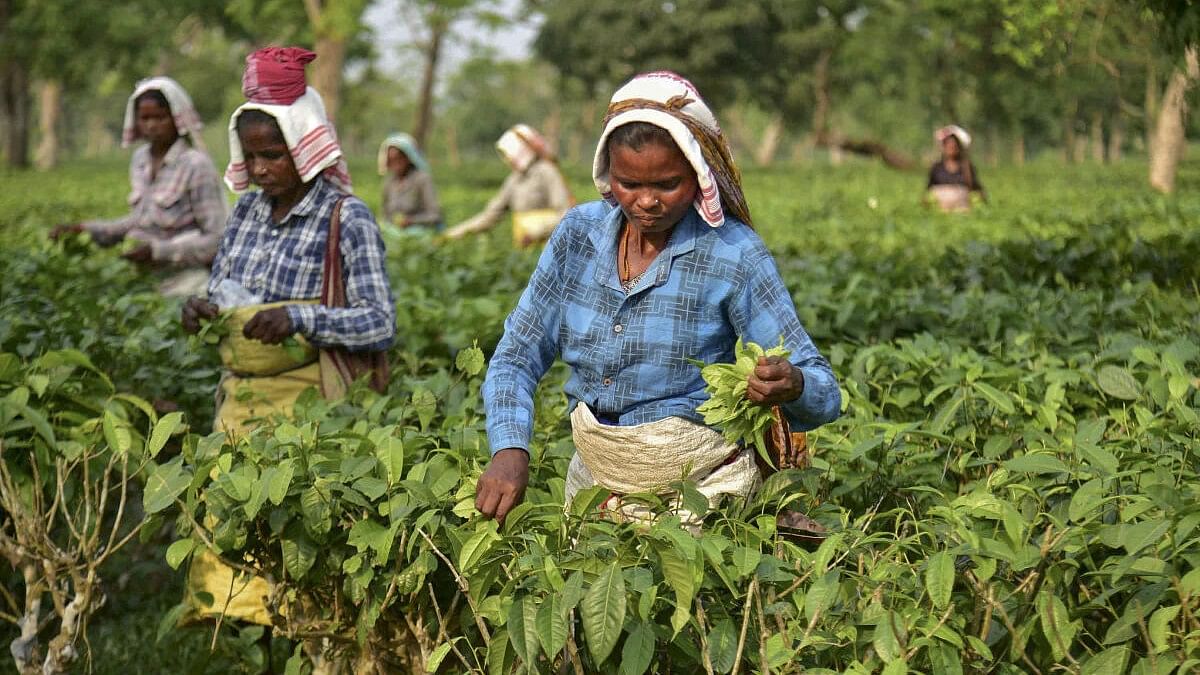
304	318
506	436
816	405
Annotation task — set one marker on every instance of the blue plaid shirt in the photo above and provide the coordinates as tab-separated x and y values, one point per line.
629	354
283	261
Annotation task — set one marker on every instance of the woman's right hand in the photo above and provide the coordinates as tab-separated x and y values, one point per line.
502	486
197	308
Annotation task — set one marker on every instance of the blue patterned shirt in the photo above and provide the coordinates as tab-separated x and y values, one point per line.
283	261
629	354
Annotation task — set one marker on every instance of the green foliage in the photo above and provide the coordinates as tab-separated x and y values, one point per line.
1012	486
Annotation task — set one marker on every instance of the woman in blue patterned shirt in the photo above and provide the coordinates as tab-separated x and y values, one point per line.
666	269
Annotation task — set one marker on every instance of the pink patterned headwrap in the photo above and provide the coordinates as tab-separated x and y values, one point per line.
275	75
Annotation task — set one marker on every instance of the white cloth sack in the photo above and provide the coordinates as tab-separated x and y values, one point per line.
649	457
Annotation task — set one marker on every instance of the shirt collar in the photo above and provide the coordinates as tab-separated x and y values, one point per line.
310	203
604	241
175	151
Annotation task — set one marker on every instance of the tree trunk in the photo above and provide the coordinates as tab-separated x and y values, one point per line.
438	26
1169	139
1150	106
1018	151
822	105
14	99
769	144
1116	138
1068	131
99	140
49	112
1096	137
327	72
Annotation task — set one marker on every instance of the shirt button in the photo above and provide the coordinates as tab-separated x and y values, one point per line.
607	381
618	328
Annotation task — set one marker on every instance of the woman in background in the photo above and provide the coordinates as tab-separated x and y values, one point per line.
535	191
953	178
178	207
409	197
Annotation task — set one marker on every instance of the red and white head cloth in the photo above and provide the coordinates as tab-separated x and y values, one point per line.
274	84
187	122
669	101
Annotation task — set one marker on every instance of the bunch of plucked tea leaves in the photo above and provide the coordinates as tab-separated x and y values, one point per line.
727	408
212	331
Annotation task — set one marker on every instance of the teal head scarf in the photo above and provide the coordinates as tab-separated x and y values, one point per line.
406	144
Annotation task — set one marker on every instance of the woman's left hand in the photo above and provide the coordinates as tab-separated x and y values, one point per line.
270	326
775	380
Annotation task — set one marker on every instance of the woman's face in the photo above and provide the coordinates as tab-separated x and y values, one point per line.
398	163
154	122
268	161
655	185
950	147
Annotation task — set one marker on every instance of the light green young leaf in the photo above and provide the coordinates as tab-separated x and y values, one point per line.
163	430
437	656
178	551
167	482
470	360
522	628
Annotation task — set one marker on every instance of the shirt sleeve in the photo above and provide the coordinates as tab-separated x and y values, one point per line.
526	351
762	311
491	214
368	322
198	246
430	212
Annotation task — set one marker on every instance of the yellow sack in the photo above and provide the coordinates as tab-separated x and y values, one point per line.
237	596
534	225
245	356
242	400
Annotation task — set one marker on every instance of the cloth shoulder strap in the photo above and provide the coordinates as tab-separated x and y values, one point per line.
341	367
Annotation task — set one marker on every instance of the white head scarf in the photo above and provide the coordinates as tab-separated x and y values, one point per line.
964	139
310	138
670	102
521	146
187	122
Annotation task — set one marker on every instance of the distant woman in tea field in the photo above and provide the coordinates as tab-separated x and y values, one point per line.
535	192
953	178
666	268
302	261
178	207
409	197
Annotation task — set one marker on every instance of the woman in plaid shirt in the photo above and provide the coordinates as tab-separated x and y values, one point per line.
628	290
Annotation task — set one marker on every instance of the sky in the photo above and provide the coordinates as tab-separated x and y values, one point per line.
396	28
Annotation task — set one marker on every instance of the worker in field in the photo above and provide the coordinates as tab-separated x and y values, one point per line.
178	206
299	278
410	200
535	191
953	178
665	269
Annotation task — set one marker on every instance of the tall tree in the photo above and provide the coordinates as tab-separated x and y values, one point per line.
1179	28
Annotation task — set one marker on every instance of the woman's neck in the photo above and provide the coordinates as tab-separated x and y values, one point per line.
283	204
159	150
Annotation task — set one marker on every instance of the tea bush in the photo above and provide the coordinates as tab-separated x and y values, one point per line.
1012	487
